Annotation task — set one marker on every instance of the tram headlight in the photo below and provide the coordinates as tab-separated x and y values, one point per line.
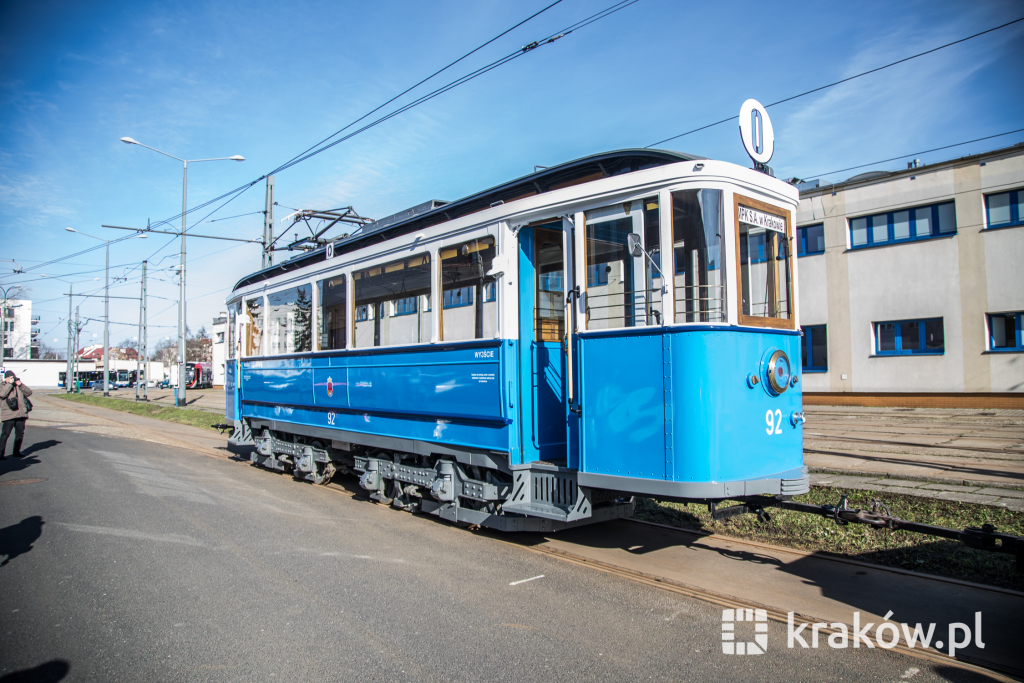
778	372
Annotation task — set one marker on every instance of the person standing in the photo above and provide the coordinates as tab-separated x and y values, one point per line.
13	412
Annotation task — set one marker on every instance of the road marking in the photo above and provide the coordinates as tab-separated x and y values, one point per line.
910	673
516	583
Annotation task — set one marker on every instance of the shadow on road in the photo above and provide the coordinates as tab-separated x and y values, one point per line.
51	672
40	446
17	539
17	464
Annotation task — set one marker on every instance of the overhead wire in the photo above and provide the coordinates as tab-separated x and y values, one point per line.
844	80
913	154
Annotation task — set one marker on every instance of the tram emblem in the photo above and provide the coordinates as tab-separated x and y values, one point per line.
330	387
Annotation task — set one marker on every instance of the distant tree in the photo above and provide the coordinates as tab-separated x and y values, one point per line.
199	347
165	351
49	353
129	343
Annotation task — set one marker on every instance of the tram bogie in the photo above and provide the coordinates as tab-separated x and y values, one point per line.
534	356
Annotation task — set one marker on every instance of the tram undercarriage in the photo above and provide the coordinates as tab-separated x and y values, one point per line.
532	497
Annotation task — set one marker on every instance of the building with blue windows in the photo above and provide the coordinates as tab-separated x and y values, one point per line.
910	281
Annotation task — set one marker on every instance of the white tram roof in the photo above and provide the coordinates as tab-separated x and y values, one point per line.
434	212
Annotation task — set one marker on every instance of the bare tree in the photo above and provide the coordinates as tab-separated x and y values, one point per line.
199	347
47	352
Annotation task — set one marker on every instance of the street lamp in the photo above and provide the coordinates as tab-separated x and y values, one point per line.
180	395
106	310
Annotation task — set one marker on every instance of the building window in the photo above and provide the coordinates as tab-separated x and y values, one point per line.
460	296
907	225
1005	331
1004	209
490	291
597	274
406	306
814	349
362	313
810	240
910	337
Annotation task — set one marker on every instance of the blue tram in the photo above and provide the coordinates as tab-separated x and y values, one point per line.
534	355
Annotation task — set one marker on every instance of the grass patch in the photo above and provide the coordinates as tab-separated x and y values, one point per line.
186	416
927	554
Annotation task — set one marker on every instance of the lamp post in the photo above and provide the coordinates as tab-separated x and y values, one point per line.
180	398
106	310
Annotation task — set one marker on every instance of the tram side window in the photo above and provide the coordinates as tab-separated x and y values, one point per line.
699	269
232	331
466	310
289	320
765	283
549	312
332	313
378	291
254	339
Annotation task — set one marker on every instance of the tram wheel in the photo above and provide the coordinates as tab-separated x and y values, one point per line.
322	477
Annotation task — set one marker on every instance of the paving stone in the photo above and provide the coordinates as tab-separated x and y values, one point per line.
1002	493
965	497
823	479
899	482
952	487
920	493
1015	504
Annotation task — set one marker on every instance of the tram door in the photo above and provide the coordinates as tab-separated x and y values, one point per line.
542	285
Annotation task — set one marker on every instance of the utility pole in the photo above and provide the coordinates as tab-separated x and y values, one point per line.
68	378
268	225
141	351
78	333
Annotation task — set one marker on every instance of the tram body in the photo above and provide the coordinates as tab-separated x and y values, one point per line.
534	355
198	375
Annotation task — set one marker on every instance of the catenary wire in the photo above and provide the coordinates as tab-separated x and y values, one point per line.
912	154
845	80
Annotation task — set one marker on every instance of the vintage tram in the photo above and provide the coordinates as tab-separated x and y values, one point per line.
534	355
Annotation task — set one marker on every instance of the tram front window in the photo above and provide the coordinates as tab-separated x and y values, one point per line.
550	309
698	268
764	258
384	314
469	307
232	321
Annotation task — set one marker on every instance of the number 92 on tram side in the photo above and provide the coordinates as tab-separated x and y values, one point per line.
533	356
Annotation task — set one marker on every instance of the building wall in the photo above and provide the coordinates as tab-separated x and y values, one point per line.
960	278
17	329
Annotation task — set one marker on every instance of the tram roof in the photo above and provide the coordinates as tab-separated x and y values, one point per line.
579	171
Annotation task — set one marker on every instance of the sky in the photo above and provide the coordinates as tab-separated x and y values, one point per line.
267	80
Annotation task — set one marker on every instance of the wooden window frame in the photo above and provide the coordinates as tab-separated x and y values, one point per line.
787	216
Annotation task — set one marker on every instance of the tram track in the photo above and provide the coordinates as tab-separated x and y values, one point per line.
525	542
1013	450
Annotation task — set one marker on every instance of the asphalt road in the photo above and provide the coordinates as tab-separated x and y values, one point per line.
135	561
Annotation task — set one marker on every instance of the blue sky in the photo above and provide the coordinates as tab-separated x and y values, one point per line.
268	79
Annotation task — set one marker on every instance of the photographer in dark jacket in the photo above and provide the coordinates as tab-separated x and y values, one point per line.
13	412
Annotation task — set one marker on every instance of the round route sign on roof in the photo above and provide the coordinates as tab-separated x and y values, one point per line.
756	131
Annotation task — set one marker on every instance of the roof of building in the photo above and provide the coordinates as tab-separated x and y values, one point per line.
817	186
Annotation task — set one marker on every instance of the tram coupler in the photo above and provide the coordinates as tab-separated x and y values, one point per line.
986	537
722	514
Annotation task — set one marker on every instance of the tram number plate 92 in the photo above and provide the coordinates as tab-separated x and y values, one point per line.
773	418
331	417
